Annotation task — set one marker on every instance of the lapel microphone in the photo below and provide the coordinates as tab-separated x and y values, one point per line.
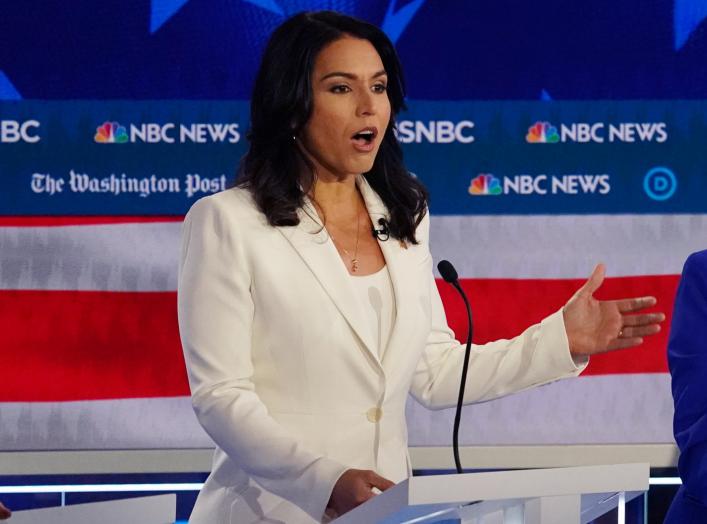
383	233
449	274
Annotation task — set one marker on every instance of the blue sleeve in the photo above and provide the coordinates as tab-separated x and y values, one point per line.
687	358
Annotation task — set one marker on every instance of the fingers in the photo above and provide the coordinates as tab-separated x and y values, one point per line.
594	282
637	326
354	487
363	495
376	481
4	512
374	484
642	320
623	343
627	305
639	331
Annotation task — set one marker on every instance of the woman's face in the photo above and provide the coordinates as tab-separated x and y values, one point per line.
350	111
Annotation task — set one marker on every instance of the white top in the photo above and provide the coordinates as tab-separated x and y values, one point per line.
375	294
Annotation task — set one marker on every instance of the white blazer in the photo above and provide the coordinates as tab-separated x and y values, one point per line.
283	372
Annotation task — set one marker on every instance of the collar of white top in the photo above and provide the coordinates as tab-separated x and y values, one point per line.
378	273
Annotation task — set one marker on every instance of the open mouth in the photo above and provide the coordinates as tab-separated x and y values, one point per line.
365	136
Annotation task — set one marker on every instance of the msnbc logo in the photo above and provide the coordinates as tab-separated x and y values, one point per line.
111	133
542	133
485	184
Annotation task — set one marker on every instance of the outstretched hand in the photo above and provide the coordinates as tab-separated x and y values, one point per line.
595	326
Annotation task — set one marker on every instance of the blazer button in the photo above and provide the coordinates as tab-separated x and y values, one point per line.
374	414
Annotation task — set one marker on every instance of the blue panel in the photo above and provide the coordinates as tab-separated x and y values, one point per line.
127	158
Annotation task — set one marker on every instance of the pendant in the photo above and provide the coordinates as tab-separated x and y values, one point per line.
354	265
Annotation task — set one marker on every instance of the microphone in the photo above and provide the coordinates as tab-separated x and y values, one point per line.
383	233
449	274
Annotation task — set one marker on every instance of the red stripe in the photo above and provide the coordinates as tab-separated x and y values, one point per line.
81	345
45	221
503	308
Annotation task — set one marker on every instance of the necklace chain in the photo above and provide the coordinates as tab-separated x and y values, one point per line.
354	258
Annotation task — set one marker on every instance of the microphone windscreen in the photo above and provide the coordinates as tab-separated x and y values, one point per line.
446	269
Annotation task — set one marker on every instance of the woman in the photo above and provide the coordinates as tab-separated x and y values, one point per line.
303	333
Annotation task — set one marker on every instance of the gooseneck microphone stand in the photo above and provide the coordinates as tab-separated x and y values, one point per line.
449	274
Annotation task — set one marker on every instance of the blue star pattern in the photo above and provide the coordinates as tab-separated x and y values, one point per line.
270	5
177	49
163	10
396	21
7	90
689	14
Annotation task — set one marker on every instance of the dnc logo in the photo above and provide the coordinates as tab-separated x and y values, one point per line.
111	133
542	133
485	184
660	183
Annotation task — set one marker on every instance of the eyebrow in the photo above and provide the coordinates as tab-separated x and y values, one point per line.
351	76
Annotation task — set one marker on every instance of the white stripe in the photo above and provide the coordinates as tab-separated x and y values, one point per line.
101	424
608	409
665	481
588	410
566	246
143	257
115	257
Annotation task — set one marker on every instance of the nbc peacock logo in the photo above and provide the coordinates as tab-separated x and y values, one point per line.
542	133
110	133
485	184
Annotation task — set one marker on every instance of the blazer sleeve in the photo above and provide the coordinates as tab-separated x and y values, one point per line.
687	358
215	322
537	356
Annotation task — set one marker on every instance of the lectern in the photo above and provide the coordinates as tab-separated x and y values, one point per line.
536	496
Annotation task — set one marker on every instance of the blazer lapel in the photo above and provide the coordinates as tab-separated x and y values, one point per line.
318	252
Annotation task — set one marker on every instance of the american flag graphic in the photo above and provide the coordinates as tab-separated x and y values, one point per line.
91	356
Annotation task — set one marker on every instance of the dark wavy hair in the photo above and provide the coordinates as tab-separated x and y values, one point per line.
281	105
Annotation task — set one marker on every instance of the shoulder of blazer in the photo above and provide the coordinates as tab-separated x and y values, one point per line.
234	205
